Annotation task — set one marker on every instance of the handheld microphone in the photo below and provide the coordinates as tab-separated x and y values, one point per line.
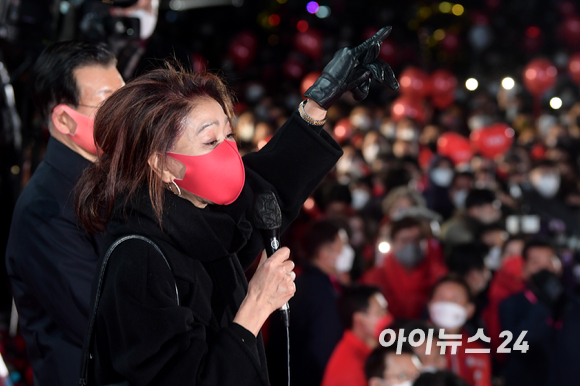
268	219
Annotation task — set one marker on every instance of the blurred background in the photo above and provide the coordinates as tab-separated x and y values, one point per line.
489	101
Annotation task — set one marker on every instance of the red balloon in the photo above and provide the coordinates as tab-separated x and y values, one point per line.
570	31
443	82
442	101
308	81
293	68
574	68
454	146
342	130
493	140
242	49
539	76
309	43
414	82
407	106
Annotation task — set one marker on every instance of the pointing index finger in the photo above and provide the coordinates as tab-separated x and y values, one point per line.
376	38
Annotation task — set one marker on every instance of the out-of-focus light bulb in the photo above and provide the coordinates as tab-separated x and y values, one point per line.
471	84
555	103
312	7
384	247
508	83
323	12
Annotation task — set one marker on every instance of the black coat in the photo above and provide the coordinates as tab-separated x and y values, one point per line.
554	346
51	262
141	333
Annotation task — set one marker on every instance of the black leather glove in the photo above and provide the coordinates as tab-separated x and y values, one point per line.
351	69
548	288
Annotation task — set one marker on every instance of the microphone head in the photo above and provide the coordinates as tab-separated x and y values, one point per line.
267	213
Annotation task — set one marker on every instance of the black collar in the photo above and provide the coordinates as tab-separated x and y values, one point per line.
204	234
69	163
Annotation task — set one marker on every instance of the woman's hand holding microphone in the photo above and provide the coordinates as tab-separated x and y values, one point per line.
270	288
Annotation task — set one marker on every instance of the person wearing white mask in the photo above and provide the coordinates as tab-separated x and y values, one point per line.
547	198
384	367
441	173
450	306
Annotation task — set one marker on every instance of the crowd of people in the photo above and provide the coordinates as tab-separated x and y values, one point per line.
413	266
401	237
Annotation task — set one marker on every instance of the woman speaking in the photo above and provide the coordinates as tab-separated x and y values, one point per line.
178	310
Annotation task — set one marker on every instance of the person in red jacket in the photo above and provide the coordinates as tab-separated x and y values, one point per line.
410	269
450	306
362	309
508	280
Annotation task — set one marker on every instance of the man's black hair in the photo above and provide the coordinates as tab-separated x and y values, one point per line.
539	242
453	278
53	79
479	197
317	235
466	257
354	299
439	378
376	363
404	223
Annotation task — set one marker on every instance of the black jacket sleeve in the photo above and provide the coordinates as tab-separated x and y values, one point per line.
291	165
152	340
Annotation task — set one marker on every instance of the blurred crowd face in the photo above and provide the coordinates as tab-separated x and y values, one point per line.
442	174
401	369
328	255
366	323
513	248
477	280
546	181
409	246
486	213
541	258
450	307
459	190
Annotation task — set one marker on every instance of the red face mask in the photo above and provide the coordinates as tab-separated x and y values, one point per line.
217	176
83	135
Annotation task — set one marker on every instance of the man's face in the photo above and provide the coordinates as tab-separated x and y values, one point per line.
329	252
96	83
370	319
401	368
451	292
407	236
540	258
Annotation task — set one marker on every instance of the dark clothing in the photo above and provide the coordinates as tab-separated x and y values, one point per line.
141	333
315	330
553	209
554	346
51	262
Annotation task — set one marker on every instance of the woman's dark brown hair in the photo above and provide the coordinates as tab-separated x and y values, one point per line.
140	120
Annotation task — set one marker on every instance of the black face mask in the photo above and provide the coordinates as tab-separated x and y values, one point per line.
410	255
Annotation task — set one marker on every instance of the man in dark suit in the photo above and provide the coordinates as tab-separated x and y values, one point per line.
50	259
315	326
550	317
